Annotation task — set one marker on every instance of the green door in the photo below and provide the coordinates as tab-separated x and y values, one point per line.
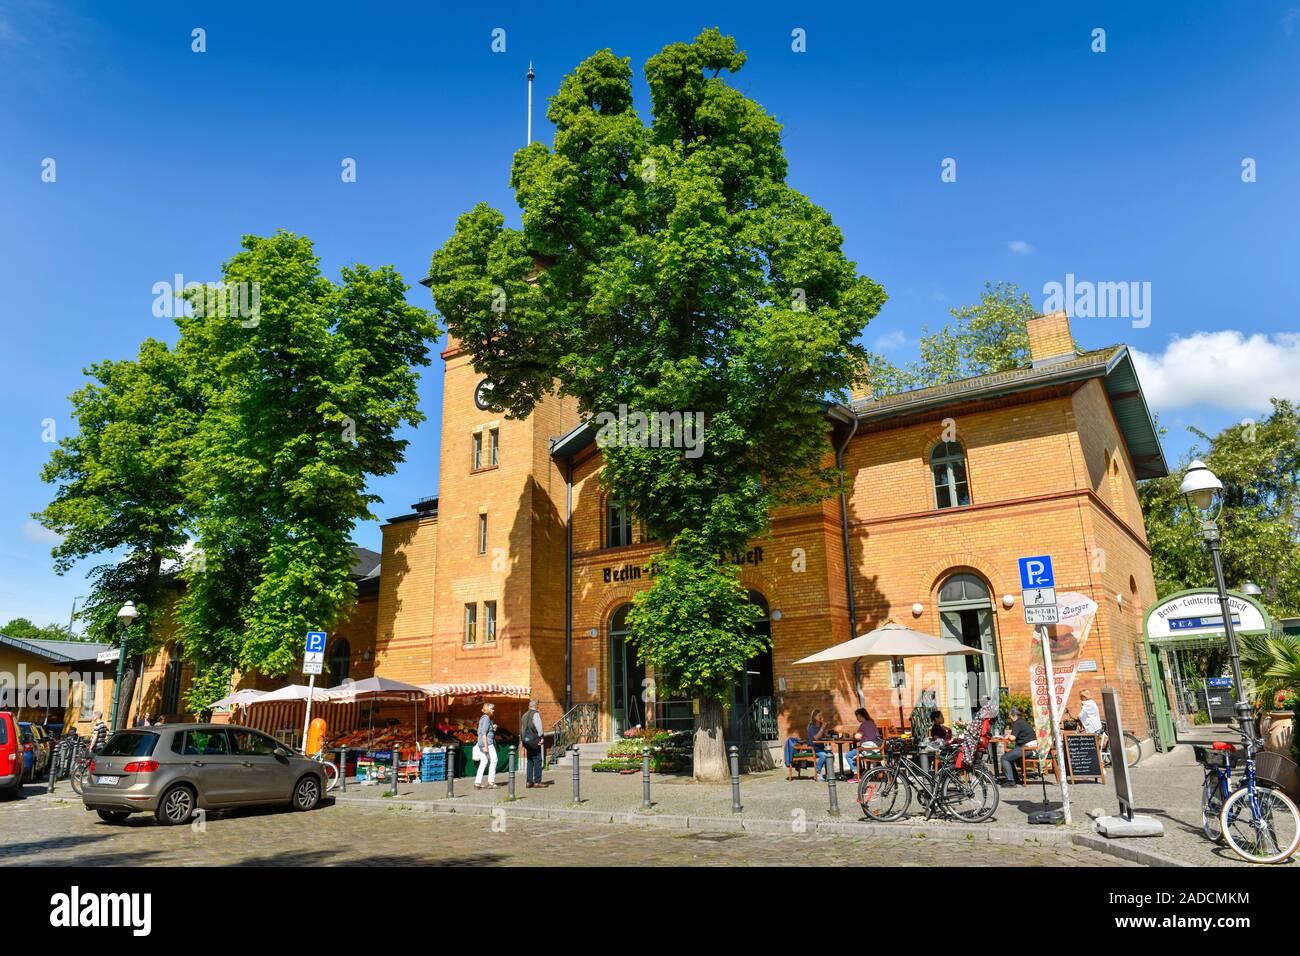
626	678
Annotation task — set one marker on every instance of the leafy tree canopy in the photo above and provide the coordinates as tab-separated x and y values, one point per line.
23	629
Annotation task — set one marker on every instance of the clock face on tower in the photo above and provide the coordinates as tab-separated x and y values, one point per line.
481	394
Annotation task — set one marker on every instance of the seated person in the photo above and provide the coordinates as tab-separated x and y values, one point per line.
868	739
1025	739
817	730
937	730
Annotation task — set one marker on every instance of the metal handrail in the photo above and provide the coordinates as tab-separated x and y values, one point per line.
580	725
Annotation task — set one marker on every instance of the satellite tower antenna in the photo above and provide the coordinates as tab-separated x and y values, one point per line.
531	74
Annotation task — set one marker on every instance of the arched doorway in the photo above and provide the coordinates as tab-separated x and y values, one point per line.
966	615
626	677
753	701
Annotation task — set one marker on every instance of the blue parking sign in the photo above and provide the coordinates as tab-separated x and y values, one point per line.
1036	572
315	642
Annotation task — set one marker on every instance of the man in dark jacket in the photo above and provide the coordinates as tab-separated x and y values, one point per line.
1024	735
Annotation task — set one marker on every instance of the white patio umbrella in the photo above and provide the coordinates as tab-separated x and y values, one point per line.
375	688
888	641
292	692
240	698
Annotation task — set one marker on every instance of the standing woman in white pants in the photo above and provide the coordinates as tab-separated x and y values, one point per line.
485	751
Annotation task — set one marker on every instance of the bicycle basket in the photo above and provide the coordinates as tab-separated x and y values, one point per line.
1211	757
1281	772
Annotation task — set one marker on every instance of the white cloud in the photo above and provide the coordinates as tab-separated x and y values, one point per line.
1227	370
891	340
1020	247
39	534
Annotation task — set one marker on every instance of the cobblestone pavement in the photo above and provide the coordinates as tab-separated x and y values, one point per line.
44	832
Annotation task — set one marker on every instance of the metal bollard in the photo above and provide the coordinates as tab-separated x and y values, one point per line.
575	756
52	772
397	756
645	777
734	753
343	770
450	769
832	772
514	759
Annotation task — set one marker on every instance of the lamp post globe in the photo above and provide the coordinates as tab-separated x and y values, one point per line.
127	616
1251	589
1202	488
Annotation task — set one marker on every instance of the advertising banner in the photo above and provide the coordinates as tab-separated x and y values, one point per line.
1066	641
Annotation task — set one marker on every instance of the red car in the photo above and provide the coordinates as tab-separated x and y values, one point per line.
12	760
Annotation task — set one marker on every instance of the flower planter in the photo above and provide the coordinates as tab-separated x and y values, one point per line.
1277	729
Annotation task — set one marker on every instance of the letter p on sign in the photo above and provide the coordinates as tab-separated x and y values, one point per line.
1036	572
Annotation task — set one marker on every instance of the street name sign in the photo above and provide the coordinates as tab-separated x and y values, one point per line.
107	657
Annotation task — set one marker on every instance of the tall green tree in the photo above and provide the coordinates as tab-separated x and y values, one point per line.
1259	465
120	490
302	404
667	267
23	629
985	337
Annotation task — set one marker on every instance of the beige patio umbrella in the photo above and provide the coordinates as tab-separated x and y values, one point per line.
888	641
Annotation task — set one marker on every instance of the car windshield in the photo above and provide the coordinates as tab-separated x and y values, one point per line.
130	743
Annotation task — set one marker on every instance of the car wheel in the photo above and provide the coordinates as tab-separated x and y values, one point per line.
306	795
113	816
176	806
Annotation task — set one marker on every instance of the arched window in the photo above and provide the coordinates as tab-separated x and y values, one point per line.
340	661
948	466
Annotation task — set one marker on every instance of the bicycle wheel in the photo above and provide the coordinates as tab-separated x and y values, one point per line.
1132	749
1211	804
883	795
331	775
77	776
972	797
1263	827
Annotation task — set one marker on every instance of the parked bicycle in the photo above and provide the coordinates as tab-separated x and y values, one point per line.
1132	746
885	793
75	764
1256	819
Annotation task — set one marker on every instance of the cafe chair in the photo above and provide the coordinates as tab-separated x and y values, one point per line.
1030	758
803	756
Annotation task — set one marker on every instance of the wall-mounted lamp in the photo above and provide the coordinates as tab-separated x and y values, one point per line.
593	632
1119	599
365	655
918	609
777	615
1008	601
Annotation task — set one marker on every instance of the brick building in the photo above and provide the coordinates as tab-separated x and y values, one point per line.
520	571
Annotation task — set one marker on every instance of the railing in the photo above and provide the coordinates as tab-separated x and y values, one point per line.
580	725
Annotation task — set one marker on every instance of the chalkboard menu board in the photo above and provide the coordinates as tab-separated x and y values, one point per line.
1083	756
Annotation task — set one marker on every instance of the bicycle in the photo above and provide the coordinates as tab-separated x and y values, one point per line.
1132	746
1216	787
1259	823
77	760
331	769
885	793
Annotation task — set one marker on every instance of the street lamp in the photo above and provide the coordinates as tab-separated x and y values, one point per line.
1252	589
127	616
1203	492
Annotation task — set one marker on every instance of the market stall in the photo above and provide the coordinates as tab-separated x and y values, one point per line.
456	708
394	714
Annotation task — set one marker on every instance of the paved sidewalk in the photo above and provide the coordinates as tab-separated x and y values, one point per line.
773	804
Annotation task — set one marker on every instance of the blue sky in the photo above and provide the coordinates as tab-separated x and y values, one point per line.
1117	166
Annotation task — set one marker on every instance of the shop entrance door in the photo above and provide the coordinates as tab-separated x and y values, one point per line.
966	615
626	678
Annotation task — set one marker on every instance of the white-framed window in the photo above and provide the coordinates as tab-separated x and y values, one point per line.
478	451
489	622
494	445
482	534
948	469
471	624
618	529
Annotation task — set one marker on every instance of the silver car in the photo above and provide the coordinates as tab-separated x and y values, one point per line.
174	769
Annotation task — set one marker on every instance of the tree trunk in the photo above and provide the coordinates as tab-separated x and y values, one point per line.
711	765
124	697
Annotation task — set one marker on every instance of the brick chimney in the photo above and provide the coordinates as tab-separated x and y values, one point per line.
860	390
1050	339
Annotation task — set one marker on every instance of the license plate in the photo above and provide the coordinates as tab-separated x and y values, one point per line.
107	781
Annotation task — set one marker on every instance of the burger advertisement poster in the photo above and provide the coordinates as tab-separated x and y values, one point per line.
1066	640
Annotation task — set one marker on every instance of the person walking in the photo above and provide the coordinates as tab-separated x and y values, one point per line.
530	733
98	732
485	750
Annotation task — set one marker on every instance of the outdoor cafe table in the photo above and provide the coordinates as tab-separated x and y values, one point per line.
839	743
